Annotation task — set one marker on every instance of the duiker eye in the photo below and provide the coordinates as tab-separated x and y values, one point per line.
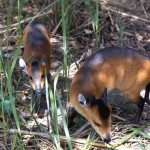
97	124
30	78
42	76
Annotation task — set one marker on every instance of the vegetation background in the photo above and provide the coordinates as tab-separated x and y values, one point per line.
77	29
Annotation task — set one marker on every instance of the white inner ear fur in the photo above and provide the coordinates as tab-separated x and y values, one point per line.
82	100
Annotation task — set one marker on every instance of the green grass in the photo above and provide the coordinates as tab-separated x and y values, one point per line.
65	65
7	67
121	28
93	10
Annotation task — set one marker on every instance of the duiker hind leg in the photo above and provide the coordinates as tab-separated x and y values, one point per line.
140	106
141	102
147	100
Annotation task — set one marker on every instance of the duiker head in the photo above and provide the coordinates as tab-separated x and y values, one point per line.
98	113
36	72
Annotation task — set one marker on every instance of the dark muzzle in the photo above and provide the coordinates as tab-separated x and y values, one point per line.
107	139
38	91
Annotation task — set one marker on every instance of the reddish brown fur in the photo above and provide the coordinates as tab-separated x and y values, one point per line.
35	47
114	67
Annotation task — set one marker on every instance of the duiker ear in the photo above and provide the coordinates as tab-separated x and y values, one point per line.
104	96
22	63
82	100
43	60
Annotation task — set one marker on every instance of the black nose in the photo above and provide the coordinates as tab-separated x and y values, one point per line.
107	140
38	91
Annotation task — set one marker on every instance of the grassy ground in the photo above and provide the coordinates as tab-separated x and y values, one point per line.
77	29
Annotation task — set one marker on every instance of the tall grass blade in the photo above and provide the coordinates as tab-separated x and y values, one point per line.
20	6
64	121
54	113
64	43
94	16
97	23
14	142
121	27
